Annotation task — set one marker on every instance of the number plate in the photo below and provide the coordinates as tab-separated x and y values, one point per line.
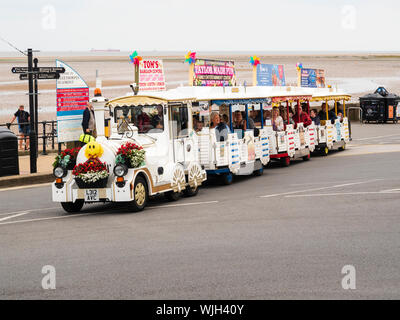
91	195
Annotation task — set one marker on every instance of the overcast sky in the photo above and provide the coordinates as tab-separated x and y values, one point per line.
203	25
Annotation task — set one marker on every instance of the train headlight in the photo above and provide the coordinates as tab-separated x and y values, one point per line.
59	172
120	170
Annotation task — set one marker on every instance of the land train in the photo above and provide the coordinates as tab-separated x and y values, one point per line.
167	142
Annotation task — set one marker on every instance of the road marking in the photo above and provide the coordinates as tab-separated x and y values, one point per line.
49	218
30	210
91	213
15	215
391	190
340	194
317	189
26	187
183	204
376	137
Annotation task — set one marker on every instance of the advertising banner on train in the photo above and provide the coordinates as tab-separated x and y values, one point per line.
214	73
270	75
151	75
312	78
72	95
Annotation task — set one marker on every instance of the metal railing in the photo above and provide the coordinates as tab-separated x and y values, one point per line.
46	136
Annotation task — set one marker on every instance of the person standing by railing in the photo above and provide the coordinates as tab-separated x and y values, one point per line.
23	119
88	121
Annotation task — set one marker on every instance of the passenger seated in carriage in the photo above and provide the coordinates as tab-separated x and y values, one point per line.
277	120
322	113
267	118
221	129
314	117
239	124
301	117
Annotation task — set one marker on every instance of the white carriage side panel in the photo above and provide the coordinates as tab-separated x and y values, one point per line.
221	153
311	137
329	135
249	141
234	153
265	149
257	142
296	139
291	133
321	134
282	140
204	147
301	134
243	151
273	143
346	133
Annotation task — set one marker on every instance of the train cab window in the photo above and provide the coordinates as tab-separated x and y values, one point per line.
179	121
148	119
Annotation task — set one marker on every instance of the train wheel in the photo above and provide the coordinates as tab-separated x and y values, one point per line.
307	157
259	172
285	162
227	178
73	207
172	196
140	194
191	192
325	151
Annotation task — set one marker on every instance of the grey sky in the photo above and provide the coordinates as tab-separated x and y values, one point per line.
206	25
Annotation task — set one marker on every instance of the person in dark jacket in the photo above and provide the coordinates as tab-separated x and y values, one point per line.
314	117
88	121
322	113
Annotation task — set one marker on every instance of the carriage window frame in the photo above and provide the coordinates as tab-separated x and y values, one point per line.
131	114
171	106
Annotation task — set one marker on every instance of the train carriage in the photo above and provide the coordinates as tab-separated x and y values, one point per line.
159	127
333	133
296	141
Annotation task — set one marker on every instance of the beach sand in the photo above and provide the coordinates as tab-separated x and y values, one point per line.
355	73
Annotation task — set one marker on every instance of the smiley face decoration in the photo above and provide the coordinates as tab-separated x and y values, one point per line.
93	150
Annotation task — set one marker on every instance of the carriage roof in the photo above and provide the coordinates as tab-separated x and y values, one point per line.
323	94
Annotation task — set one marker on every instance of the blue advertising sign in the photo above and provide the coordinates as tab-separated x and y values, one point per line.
270	75
312	78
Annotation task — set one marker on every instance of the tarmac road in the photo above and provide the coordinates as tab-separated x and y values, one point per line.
284	235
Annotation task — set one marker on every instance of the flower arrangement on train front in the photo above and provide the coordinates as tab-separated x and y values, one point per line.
131	155
91	174
67	158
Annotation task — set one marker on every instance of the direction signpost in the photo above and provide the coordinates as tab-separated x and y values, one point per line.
32	73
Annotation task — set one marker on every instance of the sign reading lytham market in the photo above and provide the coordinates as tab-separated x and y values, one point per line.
72	96
214	73
151	75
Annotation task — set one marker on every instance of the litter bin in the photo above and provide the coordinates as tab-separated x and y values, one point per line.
9	164
380	106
